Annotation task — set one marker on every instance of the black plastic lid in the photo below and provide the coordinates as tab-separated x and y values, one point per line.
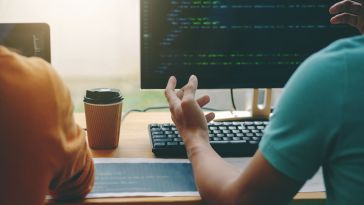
103	96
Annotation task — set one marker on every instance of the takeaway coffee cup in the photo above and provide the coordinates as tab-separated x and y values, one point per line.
103	107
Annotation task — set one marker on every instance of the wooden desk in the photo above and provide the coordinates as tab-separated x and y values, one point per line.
134	142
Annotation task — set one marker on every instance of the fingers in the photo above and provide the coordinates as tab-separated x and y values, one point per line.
189	90
345	18
203	101
171	85
346	6
170	93
180	93
210	116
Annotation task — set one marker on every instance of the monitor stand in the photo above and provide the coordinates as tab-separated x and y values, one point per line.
259	110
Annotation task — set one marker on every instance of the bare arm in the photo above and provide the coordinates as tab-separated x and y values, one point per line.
219	182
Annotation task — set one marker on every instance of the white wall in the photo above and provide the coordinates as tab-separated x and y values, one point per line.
88	37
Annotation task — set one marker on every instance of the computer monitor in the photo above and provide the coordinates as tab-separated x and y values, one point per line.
28	39
232	43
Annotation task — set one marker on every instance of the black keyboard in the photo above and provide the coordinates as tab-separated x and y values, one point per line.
229	139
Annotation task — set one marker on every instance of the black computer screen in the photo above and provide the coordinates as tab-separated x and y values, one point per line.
232	43
28	39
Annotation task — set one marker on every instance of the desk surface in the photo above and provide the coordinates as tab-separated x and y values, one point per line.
134	142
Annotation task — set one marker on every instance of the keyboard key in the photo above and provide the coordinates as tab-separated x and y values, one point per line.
256	138
218	142
172	143
159	144
232	128
162	140
238	142
226	131
159	136
217	139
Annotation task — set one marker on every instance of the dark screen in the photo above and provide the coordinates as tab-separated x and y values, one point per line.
232	43
28	39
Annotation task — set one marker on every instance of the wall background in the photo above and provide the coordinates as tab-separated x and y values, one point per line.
95	43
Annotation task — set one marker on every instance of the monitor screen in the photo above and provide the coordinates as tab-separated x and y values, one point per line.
232	43
28	39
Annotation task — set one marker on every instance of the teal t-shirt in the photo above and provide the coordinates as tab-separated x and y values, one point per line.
319	121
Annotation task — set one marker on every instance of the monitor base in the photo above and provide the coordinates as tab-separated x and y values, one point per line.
260	110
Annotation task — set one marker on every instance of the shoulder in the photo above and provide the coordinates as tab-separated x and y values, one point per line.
326	69
31	82
336	56
13	62
308	114
21	73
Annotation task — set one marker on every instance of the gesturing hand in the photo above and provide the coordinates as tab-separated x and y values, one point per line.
349	12
186	111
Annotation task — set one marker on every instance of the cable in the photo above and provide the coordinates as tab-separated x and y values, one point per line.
144	110
232	98
158	108
166	107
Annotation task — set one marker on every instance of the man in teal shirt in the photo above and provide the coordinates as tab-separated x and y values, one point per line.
317	123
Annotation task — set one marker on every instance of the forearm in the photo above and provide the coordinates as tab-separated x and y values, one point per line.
214	176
